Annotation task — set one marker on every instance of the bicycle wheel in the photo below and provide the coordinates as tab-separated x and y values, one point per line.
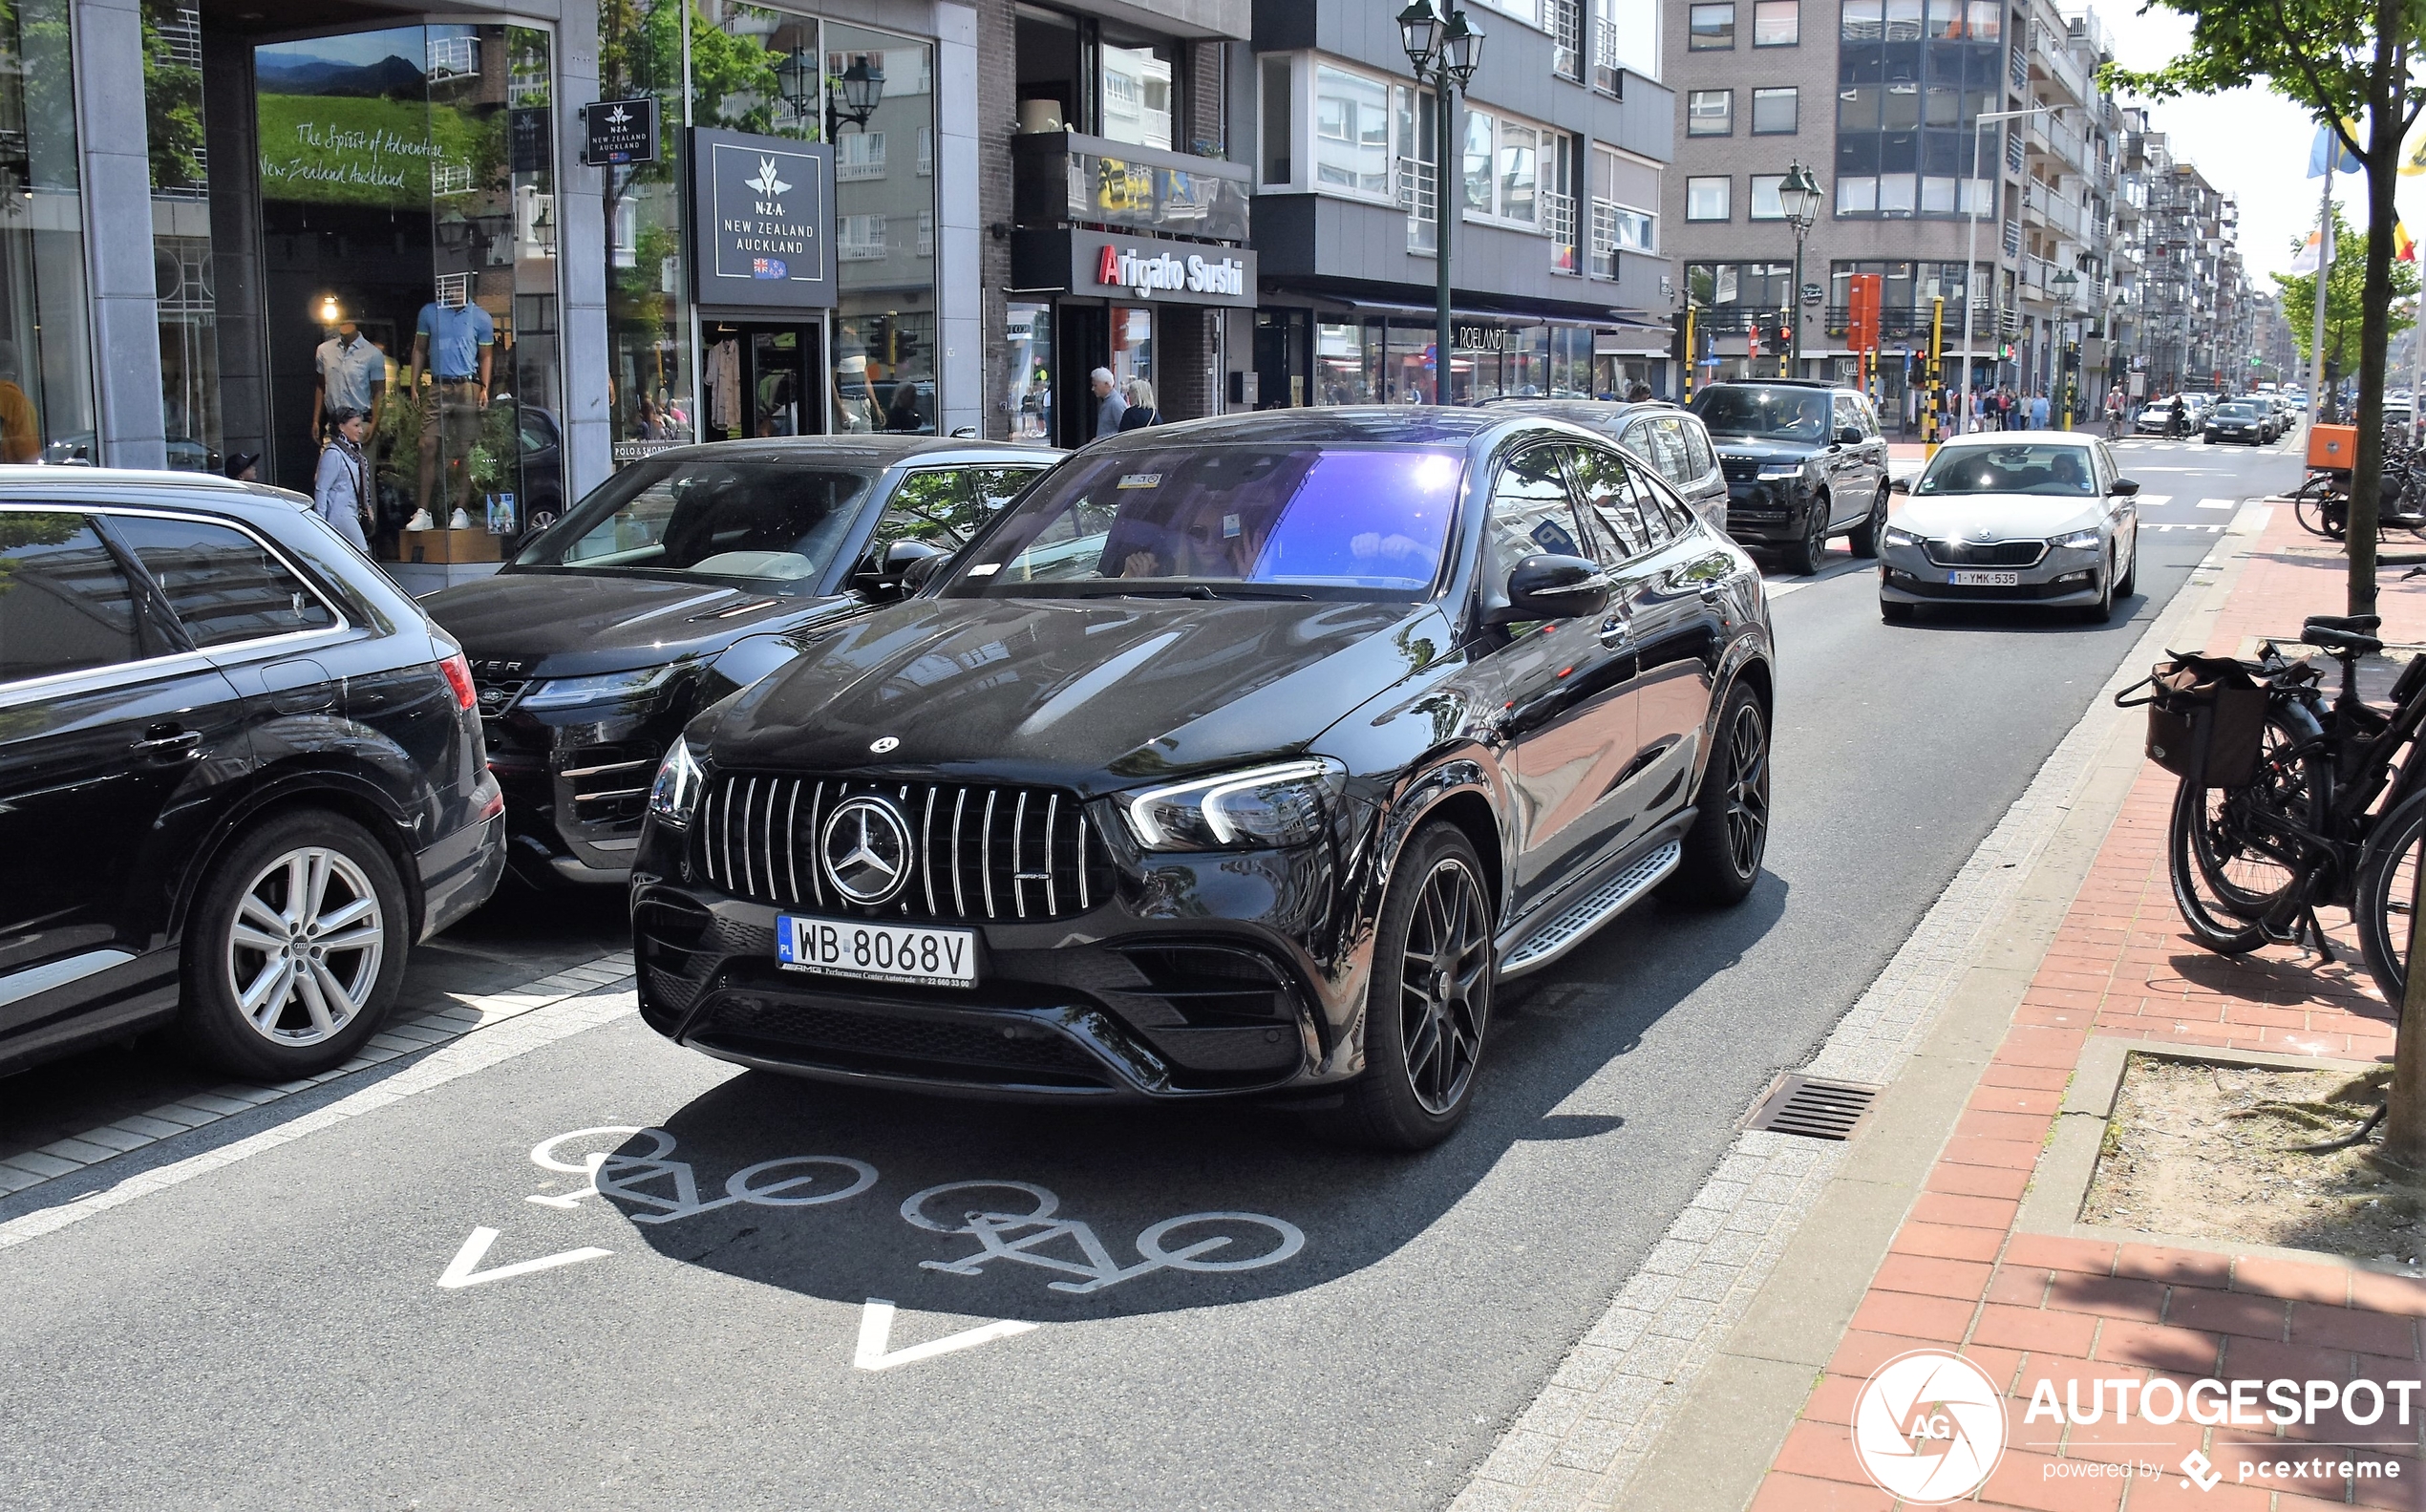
2205	839
2246	856
2387	904
2318	513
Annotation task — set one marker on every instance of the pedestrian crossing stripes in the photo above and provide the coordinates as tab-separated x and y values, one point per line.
2152	501
2219	503
2182	524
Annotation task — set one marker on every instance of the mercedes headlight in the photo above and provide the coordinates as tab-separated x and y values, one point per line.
1901	538
680	781
571	692
2081	541
1266	807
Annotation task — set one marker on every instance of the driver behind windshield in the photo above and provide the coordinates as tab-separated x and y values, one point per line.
2062	470
1780	414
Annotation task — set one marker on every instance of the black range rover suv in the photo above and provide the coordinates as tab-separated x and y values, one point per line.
1239	756
1804	461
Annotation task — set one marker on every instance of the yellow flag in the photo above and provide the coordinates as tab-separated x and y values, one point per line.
2414	152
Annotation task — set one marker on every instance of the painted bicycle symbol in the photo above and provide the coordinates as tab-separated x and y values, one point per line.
1021	1236
671	1188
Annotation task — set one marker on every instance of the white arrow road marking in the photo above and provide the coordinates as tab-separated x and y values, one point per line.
464	1270
876	1331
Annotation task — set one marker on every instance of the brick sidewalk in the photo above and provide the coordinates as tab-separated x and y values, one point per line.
2029	1306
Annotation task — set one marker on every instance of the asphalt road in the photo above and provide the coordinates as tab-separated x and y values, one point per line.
273	1333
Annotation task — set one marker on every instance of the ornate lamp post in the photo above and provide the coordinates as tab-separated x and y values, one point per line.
1798	199
1445	51
2065	283
861	88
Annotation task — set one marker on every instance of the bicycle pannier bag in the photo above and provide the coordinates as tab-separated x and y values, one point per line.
2206	718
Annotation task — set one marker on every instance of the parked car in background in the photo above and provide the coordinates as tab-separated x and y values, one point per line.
2040	518
241	773
1241	756
1674	440
679	580
1804	461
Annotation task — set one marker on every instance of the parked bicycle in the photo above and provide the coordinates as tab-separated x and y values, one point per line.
2290	802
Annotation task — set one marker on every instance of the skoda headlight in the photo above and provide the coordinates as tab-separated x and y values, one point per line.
1901	538
571	692
680	781
1270	806
2081	541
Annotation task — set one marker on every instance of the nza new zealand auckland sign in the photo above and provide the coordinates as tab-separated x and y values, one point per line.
762	216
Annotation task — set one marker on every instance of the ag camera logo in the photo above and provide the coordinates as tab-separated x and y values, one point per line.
1929	1427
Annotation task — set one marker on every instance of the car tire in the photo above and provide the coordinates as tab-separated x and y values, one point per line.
1805	557
1424	1039
348	934
2129	583
2103	611
1895	612
1865	539
1724	849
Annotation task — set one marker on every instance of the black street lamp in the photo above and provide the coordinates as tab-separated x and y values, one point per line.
1798	200
853	98
2064	283
1445	52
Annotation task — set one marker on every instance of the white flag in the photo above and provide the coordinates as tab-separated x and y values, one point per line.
2309	261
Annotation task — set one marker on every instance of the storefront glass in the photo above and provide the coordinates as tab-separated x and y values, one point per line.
180	234
1131	344
1028	331
883	351
1411	366
45	372
409	221
648	284
1341	374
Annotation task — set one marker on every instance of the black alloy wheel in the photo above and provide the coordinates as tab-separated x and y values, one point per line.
1806	555
1428	1007
1867	534
1724	849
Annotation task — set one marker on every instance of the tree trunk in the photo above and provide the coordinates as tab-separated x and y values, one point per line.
2405	1099
2382	162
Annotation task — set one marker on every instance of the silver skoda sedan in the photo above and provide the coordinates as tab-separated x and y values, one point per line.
2037	517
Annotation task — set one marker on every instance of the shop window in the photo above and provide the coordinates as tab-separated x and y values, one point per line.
1027	331
1707	199
1776	23
1776	112
883	327
1709	113
181	235
1713	27
1342	373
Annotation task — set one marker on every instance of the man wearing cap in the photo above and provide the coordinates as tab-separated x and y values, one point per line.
1111	406
348	373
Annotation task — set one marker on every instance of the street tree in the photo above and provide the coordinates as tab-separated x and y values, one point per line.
2346	61
2344	298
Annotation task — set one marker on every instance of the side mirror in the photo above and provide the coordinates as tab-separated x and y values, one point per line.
1552	588
1899	485
1849	435
2125	486
891	578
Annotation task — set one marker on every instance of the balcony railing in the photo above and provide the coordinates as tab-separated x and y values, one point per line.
1603	248
1566	38
1558	222
2013	239
2054	209
1607	72
1419	191
1059	177
1911	326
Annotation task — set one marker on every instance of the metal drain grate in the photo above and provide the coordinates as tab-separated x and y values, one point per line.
1813	1108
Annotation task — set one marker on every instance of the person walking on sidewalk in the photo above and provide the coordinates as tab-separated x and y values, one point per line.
341	487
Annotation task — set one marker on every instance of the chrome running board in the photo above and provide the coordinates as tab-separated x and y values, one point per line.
1606	902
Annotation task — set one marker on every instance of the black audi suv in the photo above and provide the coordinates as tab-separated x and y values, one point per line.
676	583
239	773
1239	756
1804	461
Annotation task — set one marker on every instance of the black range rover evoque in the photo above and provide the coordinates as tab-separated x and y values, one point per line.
1239	757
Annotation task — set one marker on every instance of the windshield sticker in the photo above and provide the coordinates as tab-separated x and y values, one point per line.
1229	527
1141	479
984	569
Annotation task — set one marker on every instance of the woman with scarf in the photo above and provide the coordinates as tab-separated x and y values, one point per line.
341	489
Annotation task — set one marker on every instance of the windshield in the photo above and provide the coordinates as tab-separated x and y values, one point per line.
2021	468
2238	412
1787	415
1305	521
707	516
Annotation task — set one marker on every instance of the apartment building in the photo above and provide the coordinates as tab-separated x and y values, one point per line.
1892	104
2186	314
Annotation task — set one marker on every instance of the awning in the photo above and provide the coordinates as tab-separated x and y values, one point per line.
1605	319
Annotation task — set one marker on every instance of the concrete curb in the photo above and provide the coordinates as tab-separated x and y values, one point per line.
1731	1420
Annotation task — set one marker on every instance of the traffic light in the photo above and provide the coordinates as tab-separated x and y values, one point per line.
1680	344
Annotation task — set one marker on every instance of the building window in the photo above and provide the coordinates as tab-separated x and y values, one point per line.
858	155
1775	112
1709	113
1776	23
1905	113
1765	205
1352	132
1713	28
1519	167
1707	199
1502	163
1137	88
1277	127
